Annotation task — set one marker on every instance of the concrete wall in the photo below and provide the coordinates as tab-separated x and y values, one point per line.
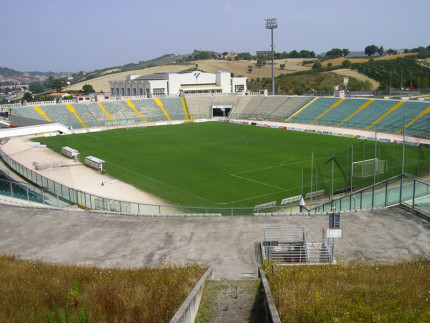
188	310
272	314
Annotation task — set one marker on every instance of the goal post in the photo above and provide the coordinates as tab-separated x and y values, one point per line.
368	167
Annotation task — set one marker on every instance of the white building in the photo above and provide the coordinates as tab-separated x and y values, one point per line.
174	84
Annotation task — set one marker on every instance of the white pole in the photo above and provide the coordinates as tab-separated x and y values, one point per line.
312	174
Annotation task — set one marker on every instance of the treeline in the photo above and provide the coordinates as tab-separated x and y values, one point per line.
402	72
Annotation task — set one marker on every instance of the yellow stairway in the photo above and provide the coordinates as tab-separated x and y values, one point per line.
131	105
427	110
41	112
72	110
184	104
104	110
355	112
394	108
300	110
332	107
160	104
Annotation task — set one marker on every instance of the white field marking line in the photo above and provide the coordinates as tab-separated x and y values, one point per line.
254	197
168	185
258	182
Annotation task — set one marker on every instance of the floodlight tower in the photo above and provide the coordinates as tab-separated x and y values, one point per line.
272	23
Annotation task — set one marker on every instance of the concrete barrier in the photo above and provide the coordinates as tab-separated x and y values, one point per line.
270	309
189	308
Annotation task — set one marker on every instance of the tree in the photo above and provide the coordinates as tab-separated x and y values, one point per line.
335	52
58	84
250	68
48	82
27	96
261	60
36	87
87	89
282	66
347	63
317	65
391	52
381	51
371	50
345	52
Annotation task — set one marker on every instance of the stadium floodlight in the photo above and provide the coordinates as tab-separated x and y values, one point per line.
272	23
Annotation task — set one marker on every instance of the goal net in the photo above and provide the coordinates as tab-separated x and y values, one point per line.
367	168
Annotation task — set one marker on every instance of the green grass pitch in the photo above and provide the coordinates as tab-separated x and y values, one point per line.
215	164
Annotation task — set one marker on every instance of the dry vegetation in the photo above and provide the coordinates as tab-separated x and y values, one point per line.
358	76
33	291
352	293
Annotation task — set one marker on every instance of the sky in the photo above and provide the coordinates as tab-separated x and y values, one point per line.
84	35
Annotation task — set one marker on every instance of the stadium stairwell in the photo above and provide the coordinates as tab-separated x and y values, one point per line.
184	104
104	110
427	110
394	108
300	110
355	112
42	113
131	105
332	107
160	104
72	110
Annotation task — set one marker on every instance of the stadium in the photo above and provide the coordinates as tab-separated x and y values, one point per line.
202	176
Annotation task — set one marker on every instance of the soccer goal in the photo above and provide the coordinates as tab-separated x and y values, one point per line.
368	167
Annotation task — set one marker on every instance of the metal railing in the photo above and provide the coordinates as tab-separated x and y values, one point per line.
401	189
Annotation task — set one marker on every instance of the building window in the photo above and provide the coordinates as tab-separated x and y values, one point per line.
128	92
122	91
134	92
168	90
141	91
158	91
239	88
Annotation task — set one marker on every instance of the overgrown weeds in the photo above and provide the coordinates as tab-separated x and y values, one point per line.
354	292
33	291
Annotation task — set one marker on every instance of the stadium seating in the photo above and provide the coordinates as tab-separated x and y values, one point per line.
369	114
28	112
149	109
314	110
174	108
406	113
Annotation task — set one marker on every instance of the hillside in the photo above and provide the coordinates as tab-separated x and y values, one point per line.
238	68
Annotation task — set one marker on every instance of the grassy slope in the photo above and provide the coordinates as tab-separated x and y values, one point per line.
32	291
192	164
355	293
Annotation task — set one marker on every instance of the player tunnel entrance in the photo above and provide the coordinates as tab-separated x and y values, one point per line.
222	110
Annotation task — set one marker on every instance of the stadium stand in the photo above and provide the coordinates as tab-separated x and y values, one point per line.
403	115
312	111
174	108
149	109
369	114
291	105
119	110
29	113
